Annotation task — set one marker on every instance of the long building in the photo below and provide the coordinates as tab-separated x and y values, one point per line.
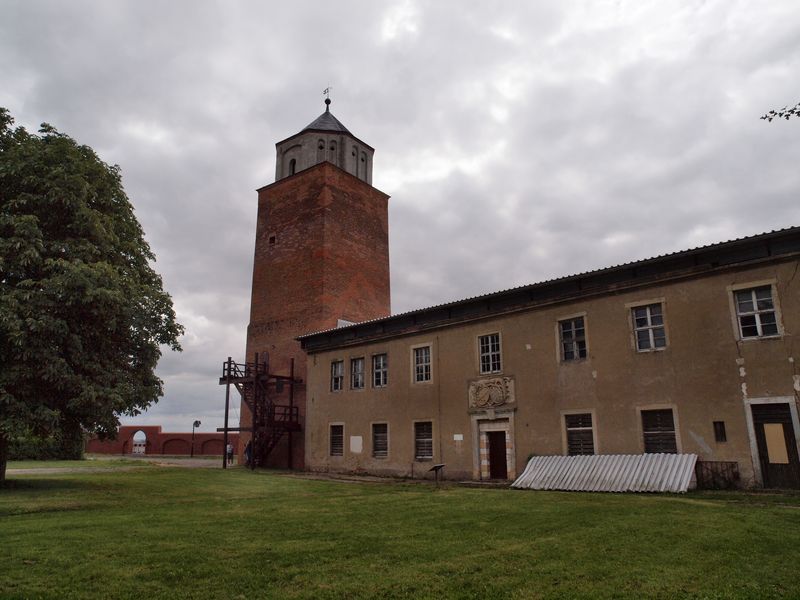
692	352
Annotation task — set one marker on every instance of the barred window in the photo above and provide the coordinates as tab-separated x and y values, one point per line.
380	440
422	364
489	348
423	440
755	312
357	373
659	431
337	440
380	370
648	325
337	375
580	439
573	339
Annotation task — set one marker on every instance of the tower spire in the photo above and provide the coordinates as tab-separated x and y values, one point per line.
327	92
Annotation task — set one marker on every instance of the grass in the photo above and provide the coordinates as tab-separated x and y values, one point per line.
201	533
87	463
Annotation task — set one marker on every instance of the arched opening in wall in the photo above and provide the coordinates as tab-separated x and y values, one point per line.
292	166
139	443
354	161
332	152
320	150
362	167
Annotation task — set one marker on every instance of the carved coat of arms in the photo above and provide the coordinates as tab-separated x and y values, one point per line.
490	393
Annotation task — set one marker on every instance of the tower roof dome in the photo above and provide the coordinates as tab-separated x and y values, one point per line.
326	122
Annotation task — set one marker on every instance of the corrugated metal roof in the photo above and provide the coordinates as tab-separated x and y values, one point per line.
610	473
660	257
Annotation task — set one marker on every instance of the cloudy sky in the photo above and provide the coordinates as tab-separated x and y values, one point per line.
519	140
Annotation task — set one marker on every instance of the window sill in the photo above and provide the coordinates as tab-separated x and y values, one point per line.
422	460
760	338
651	350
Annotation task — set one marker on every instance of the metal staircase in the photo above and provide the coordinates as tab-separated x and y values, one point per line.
257	388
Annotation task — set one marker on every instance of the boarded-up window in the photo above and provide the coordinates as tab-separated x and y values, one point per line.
380	440
337	440
423	440
579	434
659	431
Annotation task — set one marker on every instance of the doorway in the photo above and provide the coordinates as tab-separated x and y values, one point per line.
777	445
139	442
498	466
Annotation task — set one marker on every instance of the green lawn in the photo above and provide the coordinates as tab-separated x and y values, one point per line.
202	533
87	463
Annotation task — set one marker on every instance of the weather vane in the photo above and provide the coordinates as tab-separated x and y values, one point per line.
327	92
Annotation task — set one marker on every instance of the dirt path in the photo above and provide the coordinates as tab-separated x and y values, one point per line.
158	461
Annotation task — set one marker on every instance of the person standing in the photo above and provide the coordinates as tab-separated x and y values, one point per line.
229	451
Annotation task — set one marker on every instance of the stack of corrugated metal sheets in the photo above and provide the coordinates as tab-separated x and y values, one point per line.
610	473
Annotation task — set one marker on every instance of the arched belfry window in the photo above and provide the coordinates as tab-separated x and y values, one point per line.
362	167
292	166
354	161
332	152
320	150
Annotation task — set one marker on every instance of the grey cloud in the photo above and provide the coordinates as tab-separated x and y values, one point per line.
519	143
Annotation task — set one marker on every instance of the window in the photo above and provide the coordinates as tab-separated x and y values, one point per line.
337	440
580	439
357	373
659	431
292	166
380	370
380	440
489	349
422	364
719	431
573	339
648	326
337	375
423	440
755	312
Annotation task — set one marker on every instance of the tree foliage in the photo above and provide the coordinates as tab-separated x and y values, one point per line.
83	315
783	113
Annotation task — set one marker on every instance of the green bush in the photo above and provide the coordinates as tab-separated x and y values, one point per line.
54	447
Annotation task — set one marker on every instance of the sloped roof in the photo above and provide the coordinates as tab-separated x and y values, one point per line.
780	242
326	122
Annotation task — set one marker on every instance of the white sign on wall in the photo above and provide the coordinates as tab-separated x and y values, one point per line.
458	437
356	444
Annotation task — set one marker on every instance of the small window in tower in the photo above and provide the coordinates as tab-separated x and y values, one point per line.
271	240
719	431
321	145
292	166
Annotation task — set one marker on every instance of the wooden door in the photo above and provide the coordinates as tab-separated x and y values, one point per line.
777	446
497	454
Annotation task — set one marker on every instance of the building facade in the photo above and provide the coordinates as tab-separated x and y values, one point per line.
693	352
321	257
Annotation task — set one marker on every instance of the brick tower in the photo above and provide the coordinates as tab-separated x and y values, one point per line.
321	254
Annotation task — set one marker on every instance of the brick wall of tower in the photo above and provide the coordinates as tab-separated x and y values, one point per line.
321	254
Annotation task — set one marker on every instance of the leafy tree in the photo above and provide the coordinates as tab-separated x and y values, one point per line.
783	113
82	312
